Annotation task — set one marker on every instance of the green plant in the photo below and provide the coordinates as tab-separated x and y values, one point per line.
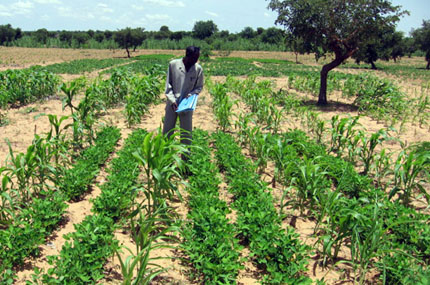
342	130
83	255
277	251
210	240
160	158
76	180
366	150
149	233
410	172
310	180
222	105
120	190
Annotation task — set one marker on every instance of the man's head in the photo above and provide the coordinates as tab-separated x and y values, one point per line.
192	54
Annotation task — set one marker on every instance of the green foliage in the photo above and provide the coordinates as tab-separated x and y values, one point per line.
314	23
378	97
117	193
129	38
421	38
28	231
85	252
20	87
82	65
204	29
160	159
411	171
76	180
149	233
222	105
210	241
278	251
9	34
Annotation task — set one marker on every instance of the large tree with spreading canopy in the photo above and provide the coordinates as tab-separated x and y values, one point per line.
334	26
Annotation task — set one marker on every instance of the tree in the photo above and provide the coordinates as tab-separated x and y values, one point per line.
379	47
99	36
81	38
41	35
204	29
8	34
334	26
397	45
137	37
297	45
66	36
410	46
177	36
128	37
248	33
272	36
422	40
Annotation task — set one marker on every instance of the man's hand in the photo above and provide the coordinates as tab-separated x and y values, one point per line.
174	107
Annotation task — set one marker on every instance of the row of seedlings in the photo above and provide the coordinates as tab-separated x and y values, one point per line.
21	87
277	251
34	223
82	259
350	212
210	241
305	167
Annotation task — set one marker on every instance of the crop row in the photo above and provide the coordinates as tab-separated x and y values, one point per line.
26	86
344	138
82	65
278	251
209	239
123	87
348	209
40	217
83	256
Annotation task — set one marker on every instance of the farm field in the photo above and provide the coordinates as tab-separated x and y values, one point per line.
281	191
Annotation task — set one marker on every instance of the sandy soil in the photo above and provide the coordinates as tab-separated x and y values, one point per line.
28	120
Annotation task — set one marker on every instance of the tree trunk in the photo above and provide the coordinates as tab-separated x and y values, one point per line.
128	52
428	65
373	65
322	98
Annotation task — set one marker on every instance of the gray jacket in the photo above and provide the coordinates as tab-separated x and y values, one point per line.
180	83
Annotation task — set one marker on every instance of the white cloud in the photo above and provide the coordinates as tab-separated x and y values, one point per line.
88	15
5	11
45	17
105	18
21	7
165	3
211	14
266	14
157	17
65	11
47	1
137	7
104	8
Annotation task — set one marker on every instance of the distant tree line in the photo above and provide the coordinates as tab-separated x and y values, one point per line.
204	33
389	44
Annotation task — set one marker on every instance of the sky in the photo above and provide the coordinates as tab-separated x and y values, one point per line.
231	15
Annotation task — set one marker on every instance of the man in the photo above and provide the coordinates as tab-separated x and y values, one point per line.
184	78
